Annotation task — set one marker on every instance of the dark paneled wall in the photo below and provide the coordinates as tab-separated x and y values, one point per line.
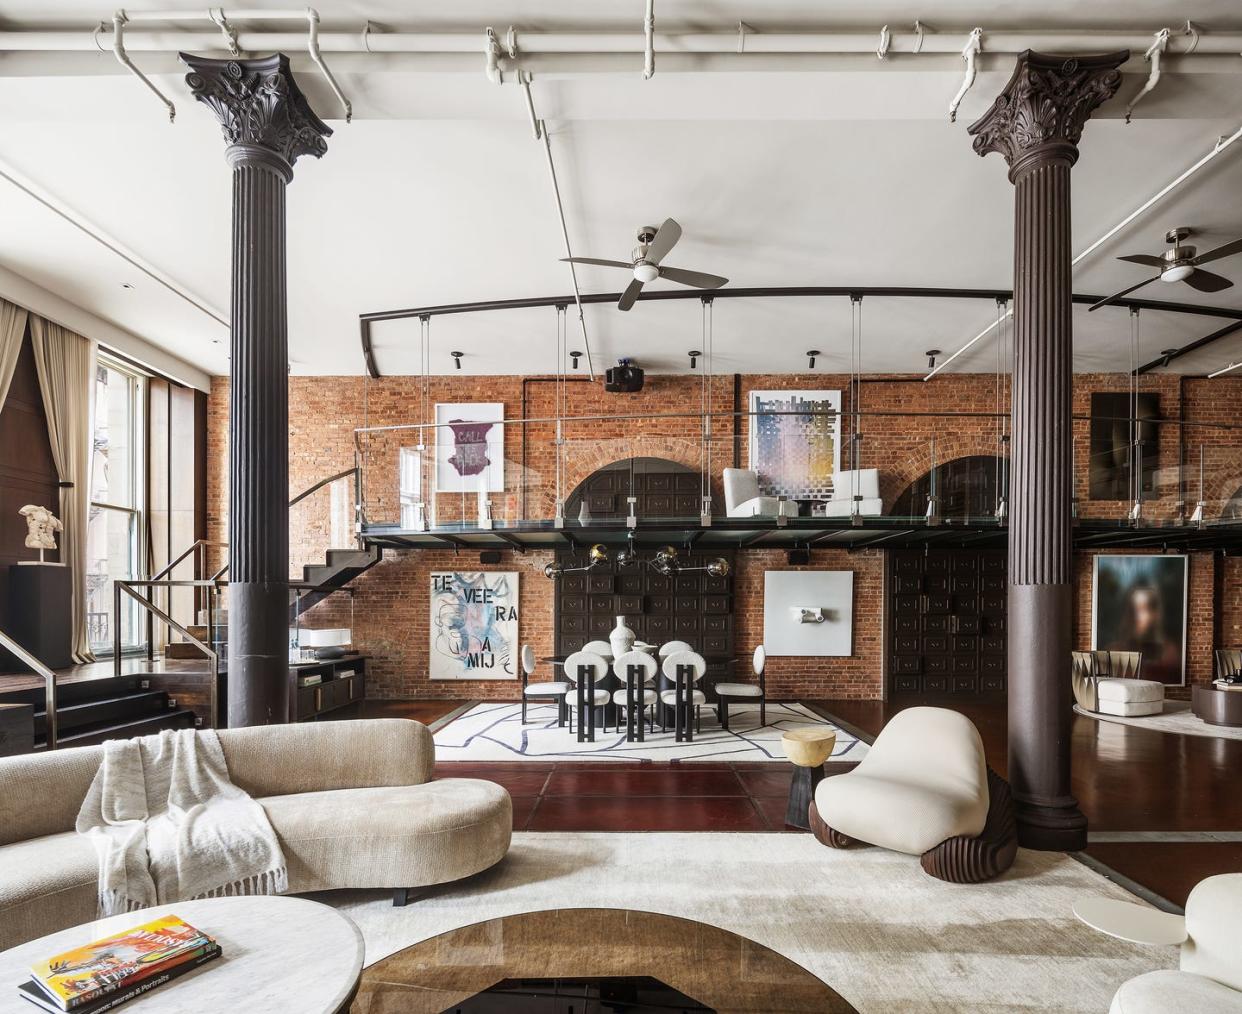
27	472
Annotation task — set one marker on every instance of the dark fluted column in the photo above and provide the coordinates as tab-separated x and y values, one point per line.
1036	123
268	125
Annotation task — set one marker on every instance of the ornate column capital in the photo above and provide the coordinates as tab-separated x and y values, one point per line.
1039	116
264	115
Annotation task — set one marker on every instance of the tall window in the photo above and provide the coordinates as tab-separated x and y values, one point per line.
114	532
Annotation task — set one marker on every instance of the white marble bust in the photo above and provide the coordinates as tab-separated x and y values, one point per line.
41	527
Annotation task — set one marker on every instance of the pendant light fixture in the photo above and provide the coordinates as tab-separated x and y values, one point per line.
597	556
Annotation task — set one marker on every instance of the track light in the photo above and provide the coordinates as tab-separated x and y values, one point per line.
1166	355
931	355
812	355
457	358
575	356
694	358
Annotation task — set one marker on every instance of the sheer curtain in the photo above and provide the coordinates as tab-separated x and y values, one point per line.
12	328
66	365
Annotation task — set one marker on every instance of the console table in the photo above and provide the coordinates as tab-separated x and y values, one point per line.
342	682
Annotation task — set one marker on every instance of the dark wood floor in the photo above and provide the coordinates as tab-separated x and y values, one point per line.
1127	780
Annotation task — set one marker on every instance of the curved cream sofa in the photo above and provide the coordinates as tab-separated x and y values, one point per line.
352	803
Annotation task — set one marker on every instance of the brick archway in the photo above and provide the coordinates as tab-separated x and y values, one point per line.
966	484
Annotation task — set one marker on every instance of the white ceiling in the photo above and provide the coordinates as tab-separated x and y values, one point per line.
437	193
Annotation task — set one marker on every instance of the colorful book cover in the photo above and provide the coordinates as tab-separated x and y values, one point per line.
130	991
84	973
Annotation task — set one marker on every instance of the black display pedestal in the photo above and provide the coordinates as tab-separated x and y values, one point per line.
40	606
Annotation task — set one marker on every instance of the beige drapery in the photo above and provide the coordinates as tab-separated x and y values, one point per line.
12	330
66	365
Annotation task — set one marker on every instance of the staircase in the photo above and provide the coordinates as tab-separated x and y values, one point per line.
91	711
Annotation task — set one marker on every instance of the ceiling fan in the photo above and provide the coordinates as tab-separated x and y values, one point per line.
653	246
1179	264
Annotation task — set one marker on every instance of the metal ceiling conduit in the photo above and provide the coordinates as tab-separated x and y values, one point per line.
901	44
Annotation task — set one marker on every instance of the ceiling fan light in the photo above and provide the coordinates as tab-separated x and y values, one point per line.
1176	273
644	272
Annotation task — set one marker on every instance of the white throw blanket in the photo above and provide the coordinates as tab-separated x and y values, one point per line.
168	825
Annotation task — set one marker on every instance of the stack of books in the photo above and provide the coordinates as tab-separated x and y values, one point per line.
108	972
1224	685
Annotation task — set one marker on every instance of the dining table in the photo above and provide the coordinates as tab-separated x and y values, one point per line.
609	714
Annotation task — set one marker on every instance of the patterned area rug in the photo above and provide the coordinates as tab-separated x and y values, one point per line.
494	732
869	922
1176	718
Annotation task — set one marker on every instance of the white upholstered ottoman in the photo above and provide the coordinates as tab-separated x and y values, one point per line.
1129	697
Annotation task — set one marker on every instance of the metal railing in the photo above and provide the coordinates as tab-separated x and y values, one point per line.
212	584
49	685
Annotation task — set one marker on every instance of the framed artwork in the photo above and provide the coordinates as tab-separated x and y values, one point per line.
808	612
470	448
1139	604
795	455
474	625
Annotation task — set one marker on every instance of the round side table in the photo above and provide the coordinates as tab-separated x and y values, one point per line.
807	747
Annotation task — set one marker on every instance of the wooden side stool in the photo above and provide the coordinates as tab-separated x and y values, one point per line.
807	748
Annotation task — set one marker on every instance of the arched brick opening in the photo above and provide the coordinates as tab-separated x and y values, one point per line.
965	485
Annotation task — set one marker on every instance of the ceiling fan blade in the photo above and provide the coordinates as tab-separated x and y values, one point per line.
1221	251
1148	259
666	238
629	295
1124	292
1206	281
699	279
600	261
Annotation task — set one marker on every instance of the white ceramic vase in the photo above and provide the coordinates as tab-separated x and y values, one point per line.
621	638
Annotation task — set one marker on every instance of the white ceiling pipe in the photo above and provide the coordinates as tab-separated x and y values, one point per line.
902	43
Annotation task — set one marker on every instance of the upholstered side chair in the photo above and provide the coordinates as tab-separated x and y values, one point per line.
745	691
553	691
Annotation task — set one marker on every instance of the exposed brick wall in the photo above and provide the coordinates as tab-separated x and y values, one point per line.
390	611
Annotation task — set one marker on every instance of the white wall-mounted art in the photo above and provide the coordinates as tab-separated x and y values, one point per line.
795	454
470	447
787	594
474	625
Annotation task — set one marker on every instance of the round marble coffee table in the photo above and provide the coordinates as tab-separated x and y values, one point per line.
279	955
807	747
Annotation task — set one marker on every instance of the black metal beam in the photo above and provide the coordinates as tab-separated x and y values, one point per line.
768	292
509	540
1193	346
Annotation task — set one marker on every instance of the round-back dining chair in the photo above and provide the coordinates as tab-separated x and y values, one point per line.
745	691
692	696
672	647
583	669
602	648
645	695
553	690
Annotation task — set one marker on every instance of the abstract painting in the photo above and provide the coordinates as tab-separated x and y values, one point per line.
1140	605
795	454
474	625
470	448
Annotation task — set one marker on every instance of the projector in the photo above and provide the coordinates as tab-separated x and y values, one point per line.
623	378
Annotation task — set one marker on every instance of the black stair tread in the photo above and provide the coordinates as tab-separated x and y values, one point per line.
62	709
160	720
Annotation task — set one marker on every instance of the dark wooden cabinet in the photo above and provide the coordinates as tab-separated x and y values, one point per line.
946	621
342	683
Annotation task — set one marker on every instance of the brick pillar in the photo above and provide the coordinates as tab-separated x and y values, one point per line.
1036	124
268	125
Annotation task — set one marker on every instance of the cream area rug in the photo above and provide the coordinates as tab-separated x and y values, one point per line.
1176	718
868	922
495	732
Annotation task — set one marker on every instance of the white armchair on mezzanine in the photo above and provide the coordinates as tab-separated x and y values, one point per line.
742	498
858	486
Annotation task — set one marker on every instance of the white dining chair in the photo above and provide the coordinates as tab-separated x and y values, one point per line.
685	693
601	648
671	647
584	669
745	691
554	690
638	696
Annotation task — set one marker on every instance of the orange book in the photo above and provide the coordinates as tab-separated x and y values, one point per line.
83	974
